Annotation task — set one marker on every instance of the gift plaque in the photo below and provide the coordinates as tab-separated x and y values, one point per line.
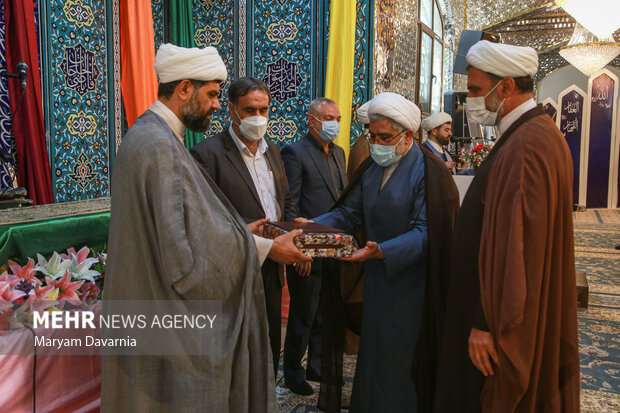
317	240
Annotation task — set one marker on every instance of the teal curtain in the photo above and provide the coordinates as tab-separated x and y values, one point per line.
182	34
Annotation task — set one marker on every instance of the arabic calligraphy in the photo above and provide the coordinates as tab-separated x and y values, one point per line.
282	79
80	69
602	90
571	107
571	126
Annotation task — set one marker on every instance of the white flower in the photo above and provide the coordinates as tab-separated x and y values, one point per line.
81	270
54	268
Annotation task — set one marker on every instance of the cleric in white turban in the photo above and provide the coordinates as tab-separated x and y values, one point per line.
175	237
396	107
511	311
436	120
389	199
503	59
362	113
176	63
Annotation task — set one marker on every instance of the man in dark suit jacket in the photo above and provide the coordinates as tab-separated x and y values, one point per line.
316	172
248	169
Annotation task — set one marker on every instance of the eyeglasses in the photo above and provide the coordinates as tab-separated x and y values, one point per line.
372	138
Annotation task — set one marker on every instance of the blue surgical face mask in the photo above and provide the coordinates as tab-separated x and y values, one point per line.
385	155
330	131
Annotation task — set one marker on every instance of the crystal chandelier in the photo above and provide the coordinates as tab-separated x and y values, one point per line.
598	16
587	53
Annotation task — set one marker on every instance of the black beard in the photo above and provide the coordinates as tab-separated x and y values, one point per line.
193	118
443	141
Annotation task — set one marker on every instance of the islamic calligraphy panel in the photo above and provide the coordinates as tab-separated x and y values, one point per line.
282	79
79	90
282	56
80	69
571	125
214	25
602	158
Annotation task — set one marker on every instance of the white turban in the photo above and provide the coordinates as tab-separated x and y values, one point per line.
397	108
177	63
503	59
436	120
362	113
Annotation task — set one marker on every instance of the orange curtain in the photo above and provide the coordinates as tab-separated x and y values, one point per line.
138	77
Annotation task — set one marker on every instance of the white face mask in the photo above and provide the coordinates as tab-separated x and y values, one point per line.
477	109
253	128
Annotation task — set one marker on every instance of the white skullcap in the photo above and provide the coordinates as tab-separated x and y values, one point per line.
396	107
362	113
436	120
177	63
503	59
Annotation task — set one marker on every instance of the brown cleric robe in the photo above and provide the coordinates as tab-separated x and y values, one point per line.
513	274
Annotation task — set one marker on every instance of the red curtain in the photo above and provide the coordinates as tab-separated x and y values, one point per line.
33	167
138	78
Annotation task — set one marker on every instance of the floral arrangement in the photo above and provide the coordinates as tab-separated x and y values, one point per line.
73	277
476	155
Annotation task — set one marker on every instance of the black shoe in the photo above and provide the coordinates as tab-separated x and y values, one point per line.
303	388
312	376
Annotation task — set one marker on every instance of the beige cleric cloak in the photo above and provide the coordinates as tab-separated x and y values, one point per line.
527	273
174	236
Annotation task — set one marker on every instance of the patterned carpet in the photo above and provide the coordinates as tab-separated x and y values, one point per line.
36	213
597	232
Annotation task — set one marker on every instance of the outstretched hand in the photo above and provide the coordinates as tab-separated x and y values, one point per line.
480	348
256	227
301	220
369	252
284	250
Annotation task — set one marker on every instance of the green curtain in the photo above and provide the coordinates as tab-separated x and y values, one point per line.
182	34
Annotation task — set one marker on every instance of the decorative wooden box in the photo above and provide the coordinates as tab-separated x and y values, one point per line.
317	240
582	290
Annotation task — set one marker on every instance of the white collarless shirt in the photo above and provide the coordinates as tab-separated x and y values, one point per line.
505	122
261	174
164	112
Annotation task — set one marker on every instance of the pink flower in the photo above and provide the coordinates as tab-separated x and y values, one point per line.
10	279
80	256
66	288
27	272
89	291
8	293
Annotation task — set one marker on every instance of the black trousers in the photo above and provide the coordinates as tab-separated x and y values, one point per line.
303	330
273	299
